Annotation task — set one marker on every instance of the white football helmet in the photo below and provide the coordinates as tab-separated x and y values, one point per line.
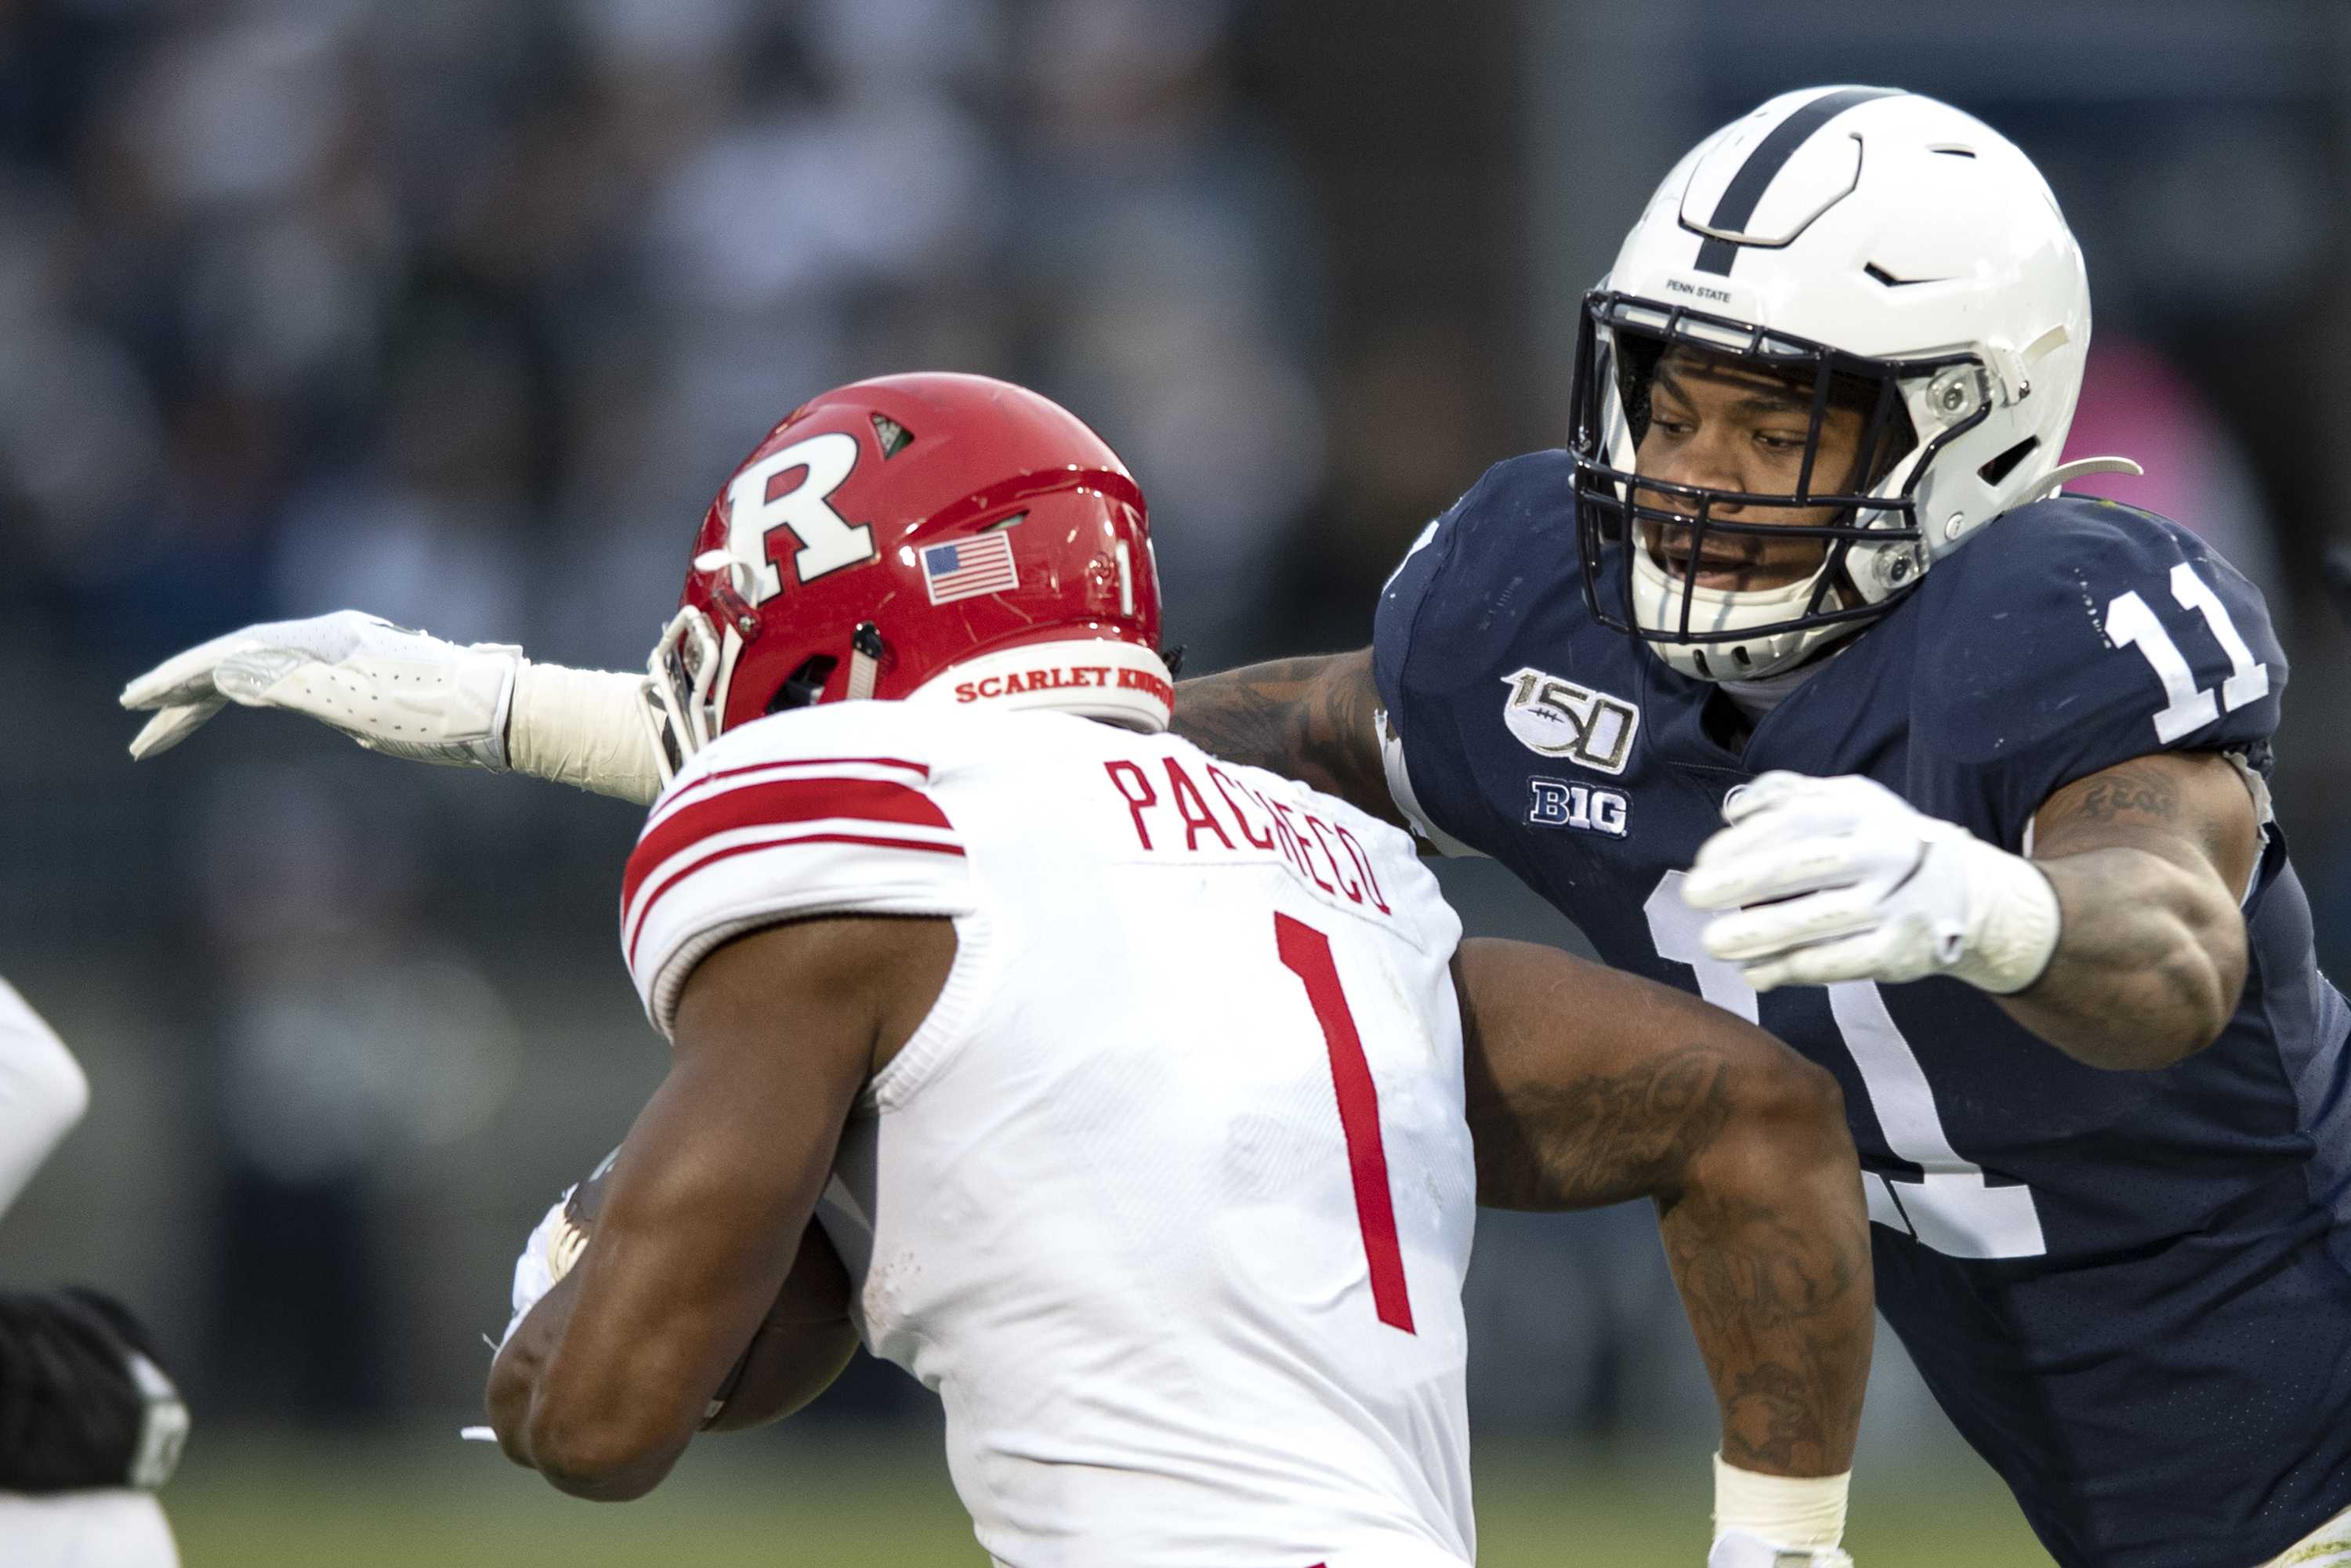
1858	237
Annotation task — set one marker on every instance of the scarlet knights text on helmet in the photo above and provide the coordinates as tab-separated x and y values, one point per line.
932	537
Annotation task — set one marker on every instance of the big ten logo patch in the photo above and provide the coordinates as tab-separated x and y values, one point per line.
1553	716
1595	808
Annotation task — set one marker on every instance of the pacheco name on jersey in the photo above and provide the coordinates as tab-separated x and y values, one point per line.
1254	814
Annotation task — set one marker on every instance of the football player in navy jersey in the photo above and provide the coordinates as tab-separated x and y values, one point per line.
1796	681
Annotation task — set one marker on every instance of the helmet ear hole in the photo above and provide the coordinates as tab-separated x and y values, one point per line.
805	686
2002	466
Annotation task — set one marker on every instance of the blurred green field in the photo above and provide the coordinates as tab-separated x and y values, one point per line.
782	1498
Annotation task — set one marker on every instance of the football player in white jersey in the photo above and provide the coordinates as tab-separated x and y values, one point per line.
94	1426
1132	1090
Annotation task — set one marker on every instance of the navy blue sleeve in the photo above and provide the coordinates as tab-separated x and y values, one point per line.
2075	634
1499	552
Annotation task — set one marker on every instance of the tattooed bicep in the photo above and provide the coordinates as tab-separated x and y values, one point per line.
1311	719
2179	805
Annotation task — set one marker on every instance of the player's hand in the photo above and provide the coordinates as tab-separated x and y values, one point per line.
1828	880
406	693
1745	1549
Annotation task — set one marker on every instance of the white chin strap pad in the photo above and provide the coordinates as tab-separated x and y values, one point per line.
1658	610
1117	682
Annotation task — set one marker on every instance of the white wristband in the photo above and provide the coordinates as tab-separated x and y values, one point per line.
2016	923
1805	1512
582	728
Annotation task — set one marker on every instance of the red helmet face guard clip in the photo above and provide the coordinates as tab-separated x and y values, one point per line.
927	537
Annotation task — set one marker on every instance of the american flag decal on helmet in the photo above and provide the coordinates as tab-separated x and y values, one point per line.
981	564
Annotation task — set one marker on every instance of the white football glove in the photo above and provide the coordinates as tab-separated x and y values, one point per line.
405	694
1841	879
1744	1548
409	693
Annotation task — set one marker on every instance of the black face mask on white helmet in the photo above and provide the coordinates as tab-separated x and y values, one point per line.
1871	250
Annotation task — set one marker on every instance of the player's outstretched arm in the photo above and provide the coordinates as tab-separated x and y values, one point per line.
410	694
1310	719
612	1372
1588	1086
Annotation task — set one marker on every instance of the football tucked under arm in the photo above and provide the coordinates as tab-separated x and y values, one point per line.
799	1347
797	1350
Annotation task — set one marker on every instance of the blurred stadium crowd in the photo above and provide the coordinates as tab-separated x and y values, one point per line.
457	313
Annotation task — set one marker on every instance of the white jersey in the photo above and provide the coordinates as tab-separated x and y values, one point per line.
43	1093
1170	1196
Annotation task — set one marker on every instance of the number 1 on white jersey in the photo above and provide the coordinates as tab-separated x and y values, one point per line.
1306	953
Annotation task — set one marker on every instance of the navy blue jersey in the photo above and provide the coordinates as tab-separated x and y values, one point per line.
2129	1289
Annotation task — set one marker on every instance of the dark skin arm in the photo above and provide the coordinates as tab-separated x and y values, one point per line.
799	1347
1310	719
1587	1086
2149	858
704	1210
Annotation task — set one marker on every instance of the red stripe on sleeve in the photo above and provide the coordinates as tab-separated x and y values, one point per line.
777	801
645	915
920	769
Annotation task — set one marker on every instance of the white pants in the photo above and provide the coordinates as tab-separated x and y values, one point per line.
114	1528
2328	1546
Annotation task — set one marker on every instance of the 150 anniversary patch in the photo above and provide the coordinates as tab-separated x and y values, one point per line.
1553	716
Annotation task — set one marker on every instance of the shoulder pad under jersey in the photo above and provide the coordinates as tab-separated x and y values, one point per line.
2074	634
822	810
1504	551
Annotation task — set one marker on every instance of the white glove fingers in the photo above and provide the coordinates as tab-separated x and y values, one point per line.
187	676
171	726
1807	865
1858	958
1807	817
1753	934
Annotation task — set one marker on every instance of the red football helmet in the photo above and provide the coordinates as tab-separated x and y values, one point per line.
929	537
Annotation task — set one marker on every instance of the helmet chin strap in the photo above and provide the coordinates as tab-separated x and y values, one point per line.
865	661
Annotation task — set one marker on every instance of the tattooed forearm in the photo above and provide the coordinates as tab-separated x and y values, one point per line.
2149	964
1587	1086
2147	860
1763	1227
1777	1295
1770	1421
1308	718
1597	1138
